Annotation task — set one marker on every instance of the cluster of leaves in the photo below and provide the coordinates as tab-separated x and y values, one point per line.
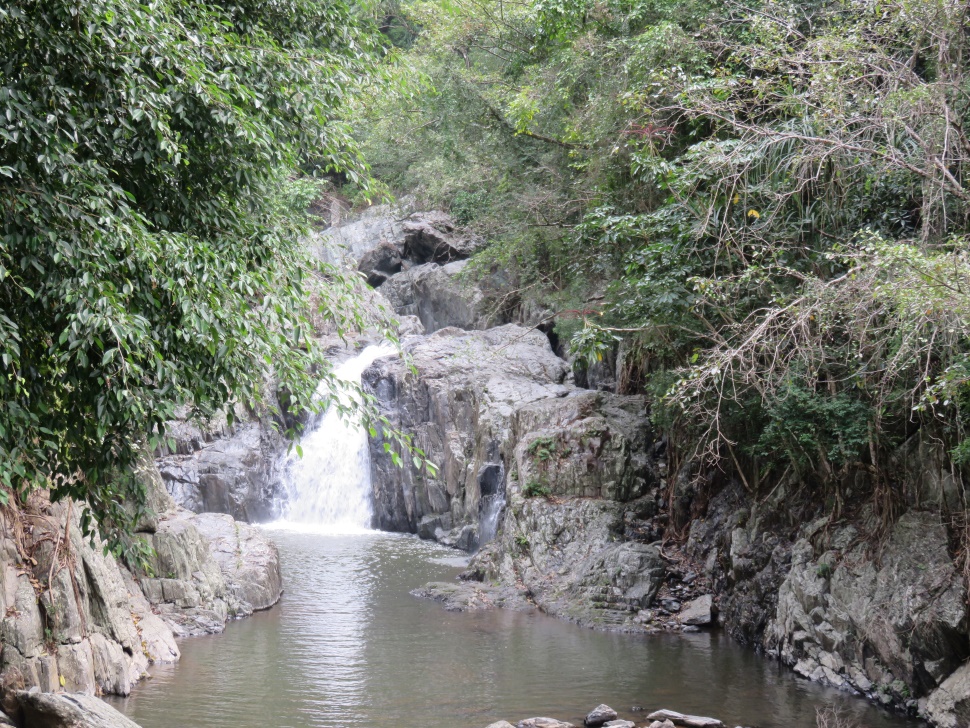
765	200
151	212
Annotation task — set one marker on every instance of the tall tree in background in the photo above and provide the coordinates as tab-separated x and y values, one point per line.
151	217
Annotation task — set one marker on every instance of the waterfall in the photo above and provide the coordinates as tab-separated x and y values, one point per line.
329	487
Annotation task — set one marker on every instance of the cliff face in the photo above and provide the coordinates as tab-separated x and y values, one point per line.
78	620
565	493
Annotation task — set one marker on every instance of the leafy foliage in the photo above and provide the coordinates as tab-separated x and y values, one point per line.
766	201
150	219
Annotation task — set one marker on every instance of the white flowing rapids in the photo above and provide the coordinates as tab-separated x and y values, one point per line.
329	487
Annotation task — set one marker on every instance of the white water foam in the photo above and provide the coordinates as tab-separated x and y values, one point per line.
329	487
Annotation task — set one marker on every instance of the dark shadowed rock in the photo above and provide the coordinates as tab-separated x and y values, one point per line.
431	237
380	263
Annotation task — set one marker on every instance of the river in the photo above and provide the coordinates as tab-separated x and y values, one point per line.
348	647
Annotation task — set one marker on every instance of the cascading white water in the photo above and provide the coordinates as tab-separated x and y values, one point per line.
329	487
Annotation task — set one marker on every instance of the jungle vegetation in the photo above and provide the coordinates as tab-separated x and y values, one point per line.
759	207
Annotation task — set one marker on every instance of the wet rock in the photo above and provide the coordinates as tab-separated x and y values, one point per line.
543	723
249	562
692	721
221	468
661	724
209	568
620	724
472	596
599	715
69	710
500	724
698	612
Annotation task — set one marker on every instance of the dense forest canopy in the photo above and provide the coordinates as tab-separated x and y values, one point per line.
761	204
153	195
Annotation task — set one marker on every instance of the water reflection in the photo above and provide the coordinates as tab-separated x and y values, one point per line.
349	648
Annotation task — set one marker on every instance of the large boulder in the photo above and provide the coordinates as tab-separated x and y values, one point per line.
350	239
250	564
380	263
440	297
589	444
571	559
69	710
458	408
949	705
208	568
431	237
72	616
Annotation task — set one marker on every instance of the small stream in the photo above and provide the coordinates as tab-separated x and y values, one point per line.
348	647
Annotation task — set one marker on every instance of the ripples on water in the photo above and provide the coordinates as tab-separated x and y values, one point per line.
348	647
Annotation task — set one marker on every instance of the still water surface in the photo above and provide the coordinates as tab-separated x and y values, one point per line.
348	647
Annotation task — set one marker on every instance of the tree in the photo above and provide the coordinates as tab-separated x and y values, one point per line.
151	213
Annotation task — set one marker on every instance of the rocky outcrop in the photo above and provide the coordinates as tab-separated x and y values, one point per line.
496	410
352	238
893	626
459	409
77	619
440	298
223	468
882	616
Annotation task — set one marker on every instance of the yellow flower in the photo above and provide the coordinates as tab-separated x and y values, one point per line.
736	199
754	214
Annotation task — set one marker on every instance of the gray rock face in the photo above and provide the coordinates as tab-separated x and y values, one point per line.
249	563
852	621
209	568
590	444
566	555
459	411
949	705
73	614
439	297
223	469
69	710
699	612
76	619
353	238
380	263
431	237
